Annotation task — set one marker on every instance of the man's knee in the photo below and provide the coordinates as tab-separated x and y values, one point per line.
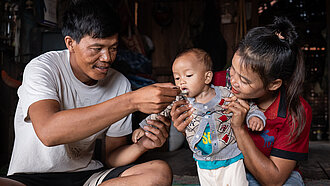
9	182
162	172
156	172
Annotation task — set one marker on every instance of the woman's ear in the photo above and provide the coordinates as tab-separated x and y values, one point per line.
69	43
276	84
208	77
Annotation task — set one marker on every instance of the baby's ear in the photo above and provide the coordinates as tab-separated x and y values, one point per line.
208	77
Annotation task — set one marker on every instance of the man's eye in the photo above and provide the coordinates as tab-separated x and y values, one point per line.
113	49
97	49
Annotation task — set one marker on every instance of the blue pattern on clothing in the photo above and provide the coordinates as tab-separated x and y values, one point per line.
205	145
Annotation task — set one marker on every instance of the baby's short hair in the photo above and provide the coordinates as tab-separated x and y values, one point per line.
201	55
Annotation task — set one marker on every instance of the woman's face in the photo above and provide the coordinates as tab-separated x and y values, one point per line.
246	84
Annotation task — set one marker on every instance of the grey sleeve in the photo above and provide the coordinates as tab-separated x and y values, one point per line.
254	111
166	112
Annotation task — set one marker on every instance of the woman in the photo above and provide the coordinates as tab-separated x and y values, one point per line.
267	67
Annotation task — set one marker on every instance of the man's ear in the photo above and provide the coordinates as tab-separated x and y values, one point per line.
276	84
69	43
208	77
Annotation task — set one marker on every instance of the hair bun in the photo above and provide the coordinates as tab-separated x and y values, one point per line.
282	26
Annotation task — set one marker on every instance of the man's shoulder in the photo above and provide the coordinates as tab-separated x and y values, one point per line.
50	58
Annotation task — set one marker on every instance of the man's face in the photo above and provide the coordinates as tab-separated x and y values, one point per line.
91	58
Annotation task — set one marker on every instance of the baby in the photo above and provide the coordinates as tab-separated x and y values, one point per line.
209	135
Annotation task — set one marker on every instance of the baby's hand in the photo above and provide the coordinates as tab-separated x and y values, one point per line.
256	124
137	134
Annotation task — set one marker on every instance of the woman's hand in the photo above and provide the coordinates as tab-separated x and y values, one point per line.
239	108
181	115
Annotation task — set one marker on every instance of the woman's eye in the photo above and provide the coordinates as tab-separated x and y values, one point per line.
245	82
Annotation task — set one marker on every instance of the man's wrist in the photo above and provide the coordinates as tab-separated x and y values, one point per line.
141	148
132	105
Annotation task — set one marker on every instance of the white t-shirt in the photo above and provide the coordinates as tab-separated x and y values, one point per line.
50	76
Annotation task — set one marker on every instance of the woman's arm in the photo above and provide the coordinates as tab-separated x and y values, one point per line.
268	171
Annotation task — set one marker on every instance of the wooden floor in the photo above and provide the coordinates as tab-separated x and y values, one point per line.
318	164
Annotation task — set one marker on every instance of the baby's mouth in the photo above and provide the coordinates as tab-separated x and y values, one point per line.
184	91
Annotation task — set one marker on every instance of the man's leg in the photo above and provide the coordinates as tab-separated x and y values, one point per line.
10	182
156	172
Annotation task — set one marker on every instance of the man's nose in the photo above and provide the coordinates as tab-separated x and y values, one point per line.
105	56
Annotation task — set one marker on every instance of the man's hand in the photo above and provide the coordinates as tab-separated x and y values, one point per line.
154	98
181	114
155	136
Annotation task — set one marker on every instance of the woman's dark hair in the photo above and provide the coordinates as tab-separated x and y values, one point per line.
95	18
273	53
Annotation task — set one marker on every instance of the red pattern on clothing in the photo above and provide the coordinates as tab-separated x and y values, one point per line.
223	118
221	102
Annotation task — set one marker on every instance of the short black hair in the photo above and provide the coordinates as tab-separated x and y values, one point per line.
96	18
201	55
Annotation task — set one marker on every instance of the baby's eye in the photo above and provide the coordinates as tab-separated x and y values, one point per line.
177	78
189	75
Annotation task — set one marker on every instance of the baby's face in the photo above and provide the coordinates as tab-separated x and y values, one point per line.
189	74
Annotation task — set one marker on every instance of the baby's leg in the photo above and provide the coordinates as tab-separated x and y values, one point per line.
233	174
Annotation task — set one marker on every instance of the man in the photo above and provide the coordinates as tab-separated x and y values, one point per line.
68	98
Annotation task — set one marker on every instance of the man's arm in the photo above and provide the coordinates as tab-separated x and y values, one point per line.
55	127
118	153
